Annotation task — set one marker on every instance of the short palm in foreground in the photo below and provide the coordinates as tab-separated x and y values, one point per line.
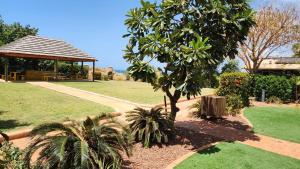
94	143
148	126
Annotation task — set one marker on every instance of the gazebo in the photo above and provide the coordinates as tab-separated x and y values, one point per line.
35	47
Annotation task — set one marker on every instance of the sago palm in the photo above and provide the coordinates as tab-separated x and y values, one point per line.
148	126
91	144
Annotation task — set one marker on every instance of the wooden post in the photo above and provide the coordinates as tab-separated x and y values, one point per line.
72	69
56	69
6	69
81	68
93	71
213	106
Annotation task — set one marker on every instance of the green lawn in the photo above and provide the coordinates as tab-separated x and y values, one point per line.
237	156
138	92
277	122
24	105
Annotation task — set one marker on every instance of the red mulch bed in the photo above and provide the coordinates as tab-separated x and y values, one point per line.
160	157
186	140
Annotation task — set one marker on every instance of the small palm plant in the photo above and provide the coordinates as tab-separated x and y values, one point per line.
148	126
93	144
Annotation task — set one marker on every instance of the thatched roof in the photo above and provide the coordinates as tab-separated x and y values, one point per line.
43	48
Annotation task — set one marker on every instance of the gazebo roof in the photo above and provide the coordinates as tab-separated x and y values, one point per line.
44	48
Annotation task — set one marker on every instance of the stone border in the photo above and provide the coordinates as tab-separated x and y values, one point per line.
245	119
26	132
184	157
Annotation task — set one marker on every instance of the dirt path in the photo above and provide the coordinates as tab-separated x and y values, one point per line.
119	105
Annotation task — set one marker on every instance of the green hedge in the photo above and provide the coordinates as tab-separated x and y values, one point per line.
235	84
278	86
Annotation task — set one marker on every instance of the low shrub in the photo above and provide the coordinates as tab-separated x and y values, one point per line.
235	83
148	126
11	156
98	76
274	99
105	78
278	86
234	104
198	111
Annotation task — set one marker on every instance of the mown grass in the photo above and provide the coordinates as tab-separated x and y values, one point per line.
138	92
278	122
237	156
23	105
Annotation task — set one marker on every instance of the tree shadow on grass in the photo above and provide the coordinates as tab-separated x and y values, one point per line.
210	150
11	124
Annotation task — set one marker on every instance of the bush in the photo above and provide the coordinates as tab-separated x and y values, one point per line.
11	156
294	80
278	86
234	104
235	83
98	75
198	111
274	99
105	78
148	126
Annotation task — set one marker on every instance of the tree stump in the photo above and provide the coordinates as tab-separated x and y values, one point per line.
213	106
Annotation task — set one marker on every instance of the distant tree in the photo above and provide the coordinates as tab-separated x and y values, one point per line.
187	37
232	65
296	50
12	32
275	28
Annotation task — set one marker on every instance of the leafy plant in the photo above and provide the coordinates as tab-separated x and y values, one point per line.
235	83
148	126
234	104
197	107
278	86
274	99
11	156
230	66
94	143
189	38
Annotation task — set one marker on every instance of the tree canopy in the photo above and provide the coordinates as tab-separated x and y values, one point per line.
275	28
188	37
12	32
231	65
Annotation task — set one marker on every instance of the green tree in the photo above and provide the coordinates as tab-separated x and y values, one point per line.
232	65
12	32
187	37
296	50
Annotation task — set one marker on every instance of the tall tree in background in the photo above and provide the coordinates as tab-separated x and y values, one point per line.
12	32
274	29
187	37
231	65
296	50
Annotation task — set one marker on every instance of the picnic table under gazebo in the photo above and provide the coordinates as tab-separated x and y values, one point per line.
36	47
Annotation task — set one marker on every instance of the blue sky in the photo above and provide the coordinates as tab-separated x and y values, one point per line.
95	26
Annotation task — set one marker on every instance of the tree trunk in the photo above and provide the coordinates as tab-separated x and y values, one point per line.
174	109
